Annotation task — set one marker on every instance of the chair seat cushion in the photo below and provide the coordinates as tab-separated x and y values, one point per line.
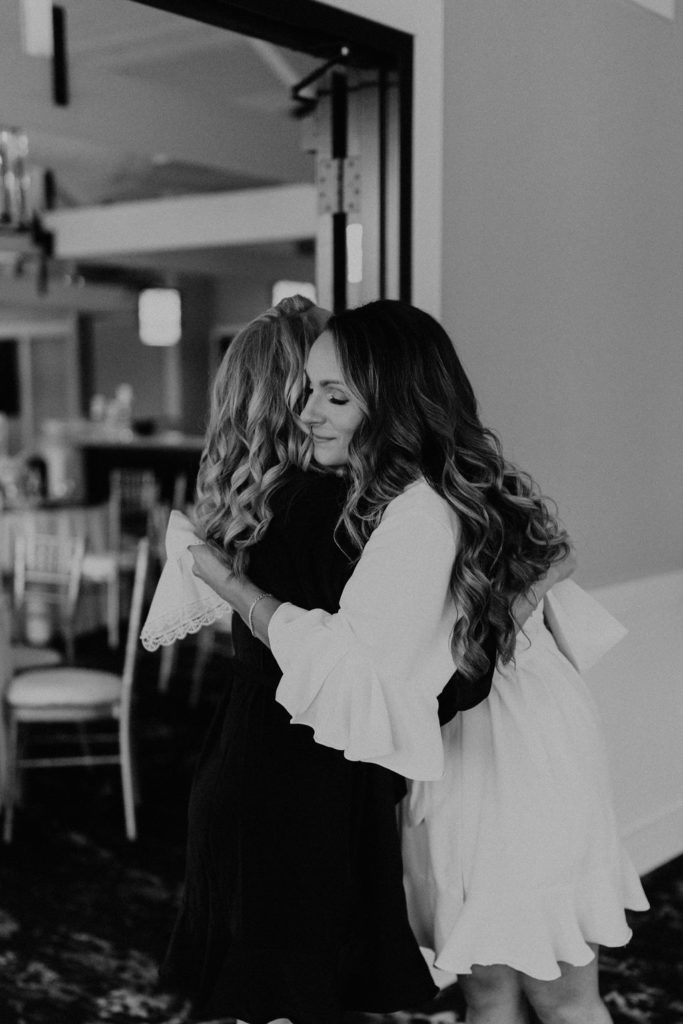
100	567
26	657
63	687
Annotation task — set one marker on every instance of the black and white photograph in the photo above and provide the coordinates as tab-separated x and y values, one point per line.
341	512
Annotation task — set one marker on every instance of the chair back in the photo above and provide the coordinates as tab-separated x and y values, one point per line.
157	534
51	566
135	619
133	495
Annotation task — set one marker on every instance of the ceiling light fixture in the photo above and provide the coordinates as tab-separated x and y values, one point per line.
159	316
36	27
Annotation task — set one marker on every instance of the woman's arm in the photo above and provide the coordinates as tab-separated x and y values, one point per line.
241	594
461	692
367	677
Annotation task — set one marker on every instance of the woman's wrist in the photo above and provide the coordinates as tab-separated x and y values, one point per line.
253	605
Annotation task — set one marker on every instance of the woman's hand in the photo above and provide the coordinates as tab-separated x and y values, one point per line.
239	592
208	567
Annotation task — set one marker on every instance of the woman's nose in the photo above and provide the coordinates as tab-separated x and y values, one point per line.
310	413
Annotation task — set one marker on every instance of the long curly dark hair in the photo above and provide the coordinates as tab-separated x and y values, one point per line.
421	419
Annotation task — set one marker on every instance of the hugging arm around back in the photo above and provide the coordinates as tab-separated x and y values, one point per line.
366	679
388	644
461	692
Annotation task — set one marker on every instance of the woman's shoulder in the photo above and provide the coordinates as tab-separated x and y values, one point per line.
419	499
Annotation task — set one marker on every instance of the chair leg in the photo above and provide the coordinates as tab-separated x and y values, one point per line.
127	784
84	741
135	776
69	645
4	755
113	610
169	656
10	776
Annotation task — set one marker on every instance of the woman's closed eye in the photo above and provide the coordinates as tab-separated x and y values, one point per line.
334	397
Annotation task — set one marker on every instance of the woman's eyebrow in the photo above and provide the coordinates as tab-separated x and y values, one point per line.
326	383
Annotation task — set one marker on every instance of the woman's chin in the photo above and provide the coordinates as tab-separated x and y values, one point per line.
329	464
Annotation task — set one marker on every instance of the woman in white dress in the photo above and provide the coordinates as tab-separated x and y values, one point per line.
514	869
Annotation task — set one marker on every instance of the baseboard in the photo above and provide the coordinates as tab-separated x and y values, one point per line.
639	689
654	840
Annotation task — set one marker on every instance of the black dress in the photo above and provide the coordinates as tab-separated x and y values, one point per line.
293	903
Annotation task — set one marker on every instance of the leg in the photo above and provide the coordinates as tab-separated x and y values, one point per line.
127	782
11	773
574	998
493	995
113	611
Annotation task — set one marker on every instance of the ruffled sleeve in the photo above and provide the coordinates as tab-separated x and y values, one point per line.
366	679
182	603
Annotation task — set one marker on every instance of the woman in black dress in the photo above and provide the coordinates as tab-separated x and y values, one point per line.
293	902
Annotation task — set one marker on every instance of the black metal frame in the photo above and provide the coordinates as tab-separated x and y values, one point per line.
316	28
60	67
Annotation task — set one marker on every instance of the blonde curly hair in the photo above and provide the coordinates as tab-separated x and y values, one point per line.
253	436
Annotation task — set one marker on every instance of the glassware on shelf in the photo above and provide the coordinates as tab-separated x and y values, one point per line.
16	200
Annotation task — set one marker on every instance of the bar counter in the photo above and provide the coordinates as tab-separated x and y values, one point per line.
168	453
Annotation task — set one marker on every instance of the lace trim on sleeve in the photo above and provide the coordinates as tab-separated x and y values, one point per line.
179	622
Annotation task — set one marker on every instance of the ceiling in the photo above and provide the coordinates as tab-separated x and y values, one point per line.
160	106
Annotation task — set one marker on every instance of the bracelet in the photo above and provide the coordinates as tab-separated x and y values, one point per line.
250	616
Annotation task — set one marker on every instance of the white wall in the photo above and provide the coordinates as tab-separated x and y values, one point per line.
563	288
563	259
639	689
118	356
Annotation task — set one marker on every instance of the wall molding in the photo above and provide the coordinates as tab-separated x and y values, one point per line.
638	687
665	8
656	838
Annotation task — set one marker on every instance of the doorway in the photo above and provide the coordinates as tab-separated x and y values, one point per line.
360	103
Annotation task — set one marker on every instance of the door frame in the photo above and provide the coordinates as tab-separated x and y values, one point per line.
321	29
423	20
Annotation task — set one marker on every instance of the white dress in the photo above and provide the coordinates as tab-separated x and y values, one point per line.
511	847
513	856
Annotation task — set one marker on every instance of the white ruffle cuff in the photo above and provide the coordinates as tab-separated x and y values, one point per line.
331	684
182	603
582	628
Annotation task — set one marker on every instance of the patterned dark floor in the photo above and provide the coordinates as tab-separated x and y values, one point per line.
84	915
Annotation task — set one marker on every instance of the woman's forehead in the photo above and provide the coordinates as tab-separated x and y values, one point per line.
322	362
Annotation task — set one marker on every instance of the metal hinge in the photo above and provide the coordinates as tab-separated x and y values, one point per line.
339	184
